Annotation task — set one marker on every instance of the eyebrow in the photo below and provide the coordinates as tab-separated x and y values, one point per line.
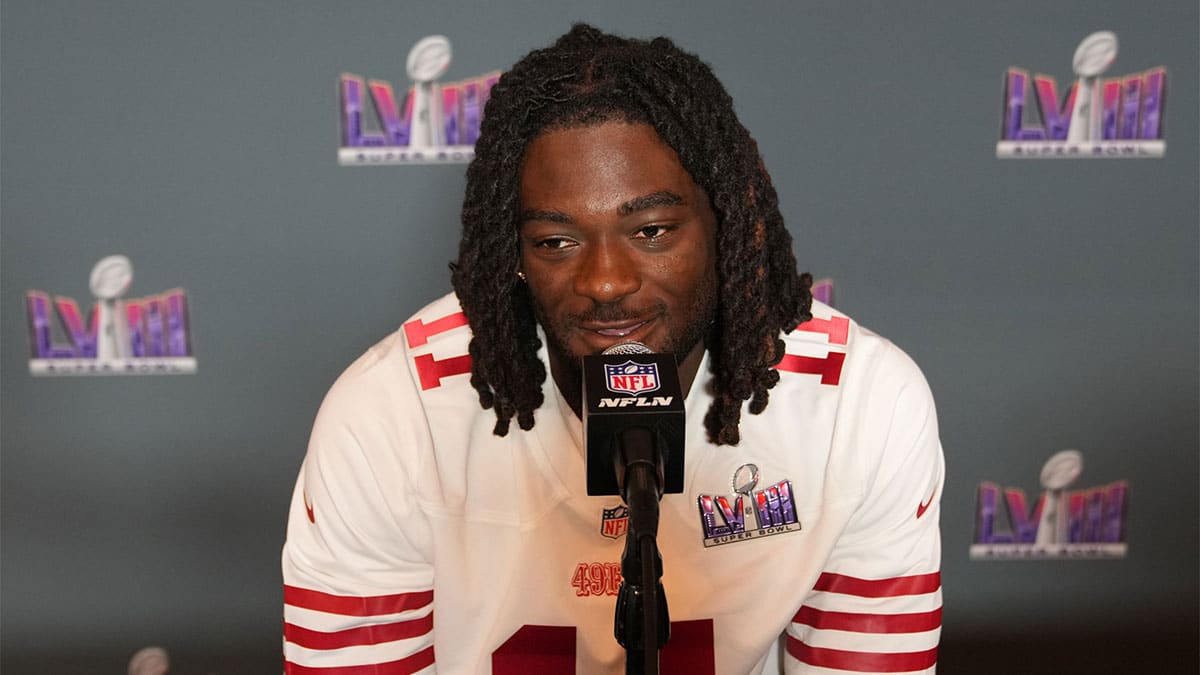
650	201
660	198
546	216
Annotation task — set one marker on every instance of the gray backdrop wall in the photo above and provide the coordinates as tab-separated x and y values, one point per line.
1051	304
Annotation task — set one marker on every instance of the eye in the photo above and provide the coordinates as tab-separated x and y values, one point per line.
653	232
553	243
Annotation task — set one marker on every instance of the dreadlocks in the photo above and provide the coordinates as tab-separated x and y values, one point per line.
588	77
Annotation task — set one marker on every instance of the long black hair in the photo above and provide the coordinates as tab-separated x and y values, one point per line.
588	77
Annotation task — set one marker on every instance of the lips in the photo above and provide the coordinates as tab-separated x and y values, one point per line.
616	331
593	331
604	334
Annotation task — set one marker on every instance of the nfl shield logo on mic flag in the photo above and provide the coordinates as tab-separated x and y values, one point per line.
631	378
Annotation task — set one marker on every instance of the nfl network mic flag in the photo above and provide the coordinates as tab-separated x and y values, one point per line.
626	391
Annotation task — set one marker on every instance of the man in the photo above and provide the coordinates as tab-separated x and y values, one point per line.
615	197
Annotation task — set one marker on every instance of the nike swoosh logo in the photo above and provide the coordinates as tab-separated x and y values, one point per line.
921	508
312	518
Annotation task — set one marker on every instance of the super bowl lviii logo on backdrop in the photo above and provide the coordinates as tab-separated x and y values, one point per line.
1062	523
143	336
1115	117
435	122
822	291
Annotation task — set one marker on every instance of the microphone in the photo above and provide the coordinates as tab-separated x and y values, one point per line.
632	421
633	431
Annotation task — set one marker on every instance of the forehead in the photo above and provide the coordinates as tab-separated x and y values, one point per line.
600	166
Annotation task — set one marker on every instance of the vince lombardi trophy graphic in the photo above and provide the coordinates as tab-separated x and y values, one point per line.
744	480
427	61
149	661
1093	56
109	280
1059	471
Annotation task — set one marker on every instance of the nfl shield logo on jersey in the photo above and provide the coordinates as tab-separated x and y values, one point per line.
631	378
615	521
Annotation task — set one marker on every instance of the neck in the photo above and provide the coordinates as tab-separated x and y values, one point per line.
568	376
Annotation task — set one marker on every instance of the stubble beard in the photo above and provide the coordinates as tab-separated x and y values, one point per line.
703	310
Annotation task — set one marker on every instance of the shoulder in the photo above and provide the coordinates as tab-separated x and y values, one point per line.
873	396
842	352
382	391
435	333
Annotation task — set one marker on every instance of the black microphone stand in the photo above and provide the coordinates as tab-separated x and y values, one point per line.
642	624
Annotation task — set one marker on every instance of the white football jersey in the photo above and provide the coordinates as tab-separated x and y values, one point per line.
420	542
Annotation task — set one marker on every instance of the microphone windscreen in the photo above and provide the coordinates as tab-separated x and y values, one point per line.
630	347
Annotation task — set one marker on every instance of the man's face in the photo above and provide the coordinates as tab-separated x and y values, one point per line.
617	242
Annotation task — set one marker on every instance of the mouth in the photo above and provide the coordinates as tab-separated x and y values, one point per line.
620	329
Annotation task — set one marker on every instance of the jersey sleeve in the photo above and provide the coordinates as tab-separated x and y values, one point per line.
358	583
877	605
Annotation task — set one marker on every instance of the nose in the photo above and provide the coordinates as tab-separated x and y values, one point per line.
606	274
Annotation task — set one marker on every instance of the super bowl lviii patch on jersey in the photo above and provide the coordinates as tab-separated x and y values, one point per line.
772	510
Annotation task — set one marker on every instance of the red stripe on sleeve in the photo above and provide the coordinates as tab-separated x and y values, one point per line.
879	588
354	637
869	623
861	662
353	605
405	666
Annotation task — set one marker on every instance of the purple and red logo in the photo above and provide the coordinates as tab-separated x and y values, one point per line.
822	291
631	378
1096	117
773	510
121	336
1061	523
435	122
